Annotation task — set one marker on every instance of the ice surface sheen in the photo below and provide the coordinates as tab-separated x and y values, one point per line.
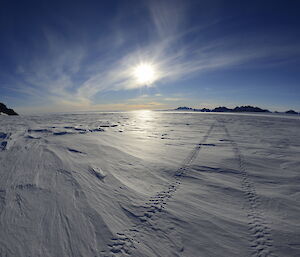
149	184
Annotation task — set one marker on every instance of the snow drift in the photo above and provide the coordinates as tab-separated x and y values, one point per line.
149	184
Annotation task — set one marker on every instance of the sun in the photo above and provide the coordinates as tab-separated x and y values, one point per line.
144	74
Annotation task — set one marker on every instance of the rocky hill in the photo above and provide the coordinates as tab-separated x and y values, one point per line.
291	112
5	110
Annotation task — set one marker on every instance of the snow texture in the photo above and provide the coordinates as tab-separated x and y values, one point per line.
149	184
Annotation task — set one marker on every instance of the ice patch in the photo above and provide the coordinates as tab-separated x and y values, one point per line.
39	130
3	143
3	135
75	151
97	130
62	133
208	144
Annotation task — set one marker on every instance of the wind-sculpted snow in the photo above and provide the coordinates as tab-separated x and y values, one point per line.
149	184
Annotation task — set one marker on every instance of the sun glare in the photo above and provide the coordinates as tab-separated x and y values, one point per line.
144	74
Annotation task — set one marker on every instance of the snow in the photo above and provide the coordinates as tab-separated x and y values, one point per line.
149	184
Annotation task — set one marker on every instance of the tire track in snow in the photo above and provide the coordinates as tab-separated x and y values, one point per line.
122	244
260	232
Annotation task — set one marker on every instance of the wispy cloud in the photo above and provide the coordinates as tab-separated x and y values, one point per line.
175	99
69	72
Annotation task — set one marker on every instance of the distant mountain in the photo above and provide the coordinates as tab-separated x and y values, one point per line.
184	108
225	109
222	109
249	109
291	112
204	110
4	109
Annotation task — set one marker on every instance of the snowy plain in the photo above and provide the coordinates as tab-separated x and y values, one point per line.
149	184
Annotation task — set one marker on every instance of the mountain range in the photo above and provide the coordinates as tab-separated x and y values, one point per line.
247	108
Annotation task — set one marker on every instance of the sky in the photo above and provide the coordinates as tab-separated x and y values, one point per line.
58	56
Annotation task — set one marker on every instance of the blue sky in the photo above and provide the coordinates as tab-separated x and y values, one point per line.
81	55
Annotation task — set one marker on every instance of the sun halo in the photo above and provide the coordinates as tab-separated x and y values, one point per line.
144	74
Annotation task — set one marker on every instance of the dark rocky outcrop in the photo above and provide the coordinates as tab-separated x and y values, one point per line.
291	112
4	109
